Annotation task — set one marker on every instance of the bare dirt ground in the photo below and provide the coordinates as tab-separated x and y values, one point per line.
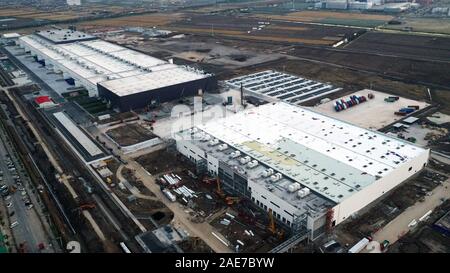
130	134
316	16
147	20
414	46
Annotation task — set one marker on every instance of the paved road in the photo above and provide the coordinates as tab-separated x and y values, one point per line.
399	226
30	229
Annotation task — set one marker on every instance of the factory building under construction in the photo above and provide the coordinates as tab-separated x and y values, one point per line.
126	78
312	171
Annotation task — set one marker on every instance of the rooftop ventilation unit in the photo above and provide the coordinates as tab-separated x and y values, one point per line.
206	138
235	154
222	147
213	142
245	159
303	192
252	164
276	177
294	187
267	172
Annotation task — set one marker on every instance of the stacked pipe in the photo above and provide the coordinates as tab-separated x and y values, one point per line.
351	101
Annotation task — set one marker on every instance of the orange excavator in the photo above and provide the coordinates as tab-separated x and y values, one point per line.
272	228
86	206
230	200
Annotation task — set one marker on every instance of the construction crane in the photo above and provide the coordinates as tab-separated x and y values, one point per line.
219	189
272	227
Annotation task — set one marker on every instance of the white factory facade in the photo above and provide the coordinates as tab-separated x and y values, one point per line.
127	78
311	170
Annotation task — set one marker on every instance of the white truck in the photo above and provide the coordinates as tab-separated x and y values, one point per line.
359	246
169	195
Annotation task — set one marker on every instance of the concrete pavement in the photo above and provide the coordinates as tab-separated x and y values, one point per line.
399	226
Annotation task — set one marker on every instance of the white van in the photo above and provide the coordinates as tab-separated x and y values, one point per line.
14	224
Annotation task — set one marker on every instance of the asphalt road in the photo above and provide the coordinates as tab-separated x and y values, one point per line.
30	229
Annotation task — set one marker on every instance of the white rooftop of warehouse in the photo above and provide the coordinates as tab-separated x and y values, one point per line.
10	35
123	71
64	35
156	79
331	157
81	137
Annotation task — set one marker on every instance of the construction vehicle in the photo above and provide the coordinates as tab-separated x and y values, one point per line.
86	206
219	189
272	228
384	245
208	181
231	200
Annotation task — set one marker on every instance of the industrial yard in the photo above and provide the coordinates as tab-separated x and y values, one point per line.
130	134
374	114
225	128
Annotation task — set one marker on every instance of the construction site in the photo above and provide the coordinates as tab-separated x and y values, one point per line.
186	131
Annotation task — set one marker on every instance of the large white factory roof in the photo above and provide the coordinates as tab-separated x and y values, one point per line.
87	143
332	158
64	35
98	61
172	75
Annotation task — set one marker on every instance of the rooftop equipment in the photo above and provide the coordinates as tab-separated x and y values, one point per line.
222	147
267	172
294	187
252	164
304	192
245	159
276	177
235	154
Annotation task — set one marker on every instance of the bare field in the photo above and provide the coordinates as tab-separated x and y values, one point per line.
431	25
317	16
415	46
249	28
147	20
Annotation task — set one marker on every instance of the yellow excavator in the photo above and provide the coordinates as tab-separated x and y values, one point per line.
272	228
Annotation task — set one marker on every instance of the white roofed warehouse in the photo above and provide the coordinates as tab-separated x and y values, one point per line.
127	78
311	170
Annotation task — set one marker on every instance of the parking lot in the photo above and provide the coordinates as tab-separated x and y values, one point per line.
373	114
19	201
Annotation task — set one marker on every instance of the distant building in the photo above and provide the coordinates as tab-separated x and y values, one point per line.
44	101
127	79
74	2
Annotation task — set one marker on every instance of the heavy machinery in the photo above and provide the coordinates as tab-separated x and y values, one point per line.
232	200
86	206
272	228
209	181
219	189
